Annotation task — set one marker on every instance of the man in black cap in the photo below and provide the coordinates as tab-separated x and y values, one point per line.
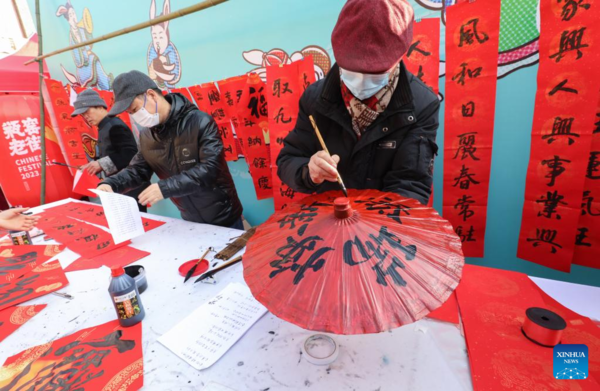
116	143
181	144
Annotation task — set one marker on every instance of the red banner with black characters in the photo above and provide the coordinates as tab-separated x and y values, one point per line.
20	154
565	109
78	140
472	35
231	90
252	132
103	357
209	99
423	56
587	242
285	85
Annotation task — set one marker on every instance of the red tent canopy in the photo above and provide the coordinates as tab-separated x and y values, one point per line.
16	77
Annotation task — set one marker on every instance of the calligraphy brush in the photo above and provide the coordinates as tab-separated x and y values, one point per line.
193	268
339	178
212	272
65	165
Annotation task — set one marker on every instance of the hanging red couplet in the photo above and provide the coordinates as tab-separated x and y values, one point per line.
563	123
231	90
209	99
587	242
253	127
76	138
472	34
285	85
423	56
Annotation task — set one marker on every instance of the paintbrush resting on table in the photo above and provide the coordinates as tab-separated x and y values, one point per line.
224	266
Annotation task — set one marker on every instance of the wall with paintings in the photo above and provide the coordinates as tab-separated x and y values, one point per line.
240	36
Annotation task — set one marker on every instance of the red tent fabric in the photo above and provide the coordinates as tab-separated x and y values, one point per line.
16	77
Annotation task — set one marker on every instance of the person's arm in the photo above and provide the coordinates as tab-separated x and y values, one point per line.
14	219
412	170
208	168
125	147
137	173
298	148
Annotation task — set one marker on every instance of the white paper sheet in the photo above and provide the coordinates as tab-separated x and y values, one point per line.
123	216
206	334
77	177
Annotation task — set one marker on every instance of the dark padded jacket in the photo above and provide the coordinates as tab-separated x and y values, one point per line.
394	154
186	153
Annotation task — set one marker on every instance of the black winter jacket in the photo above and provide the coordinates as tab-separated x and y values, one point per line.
186	152
394	154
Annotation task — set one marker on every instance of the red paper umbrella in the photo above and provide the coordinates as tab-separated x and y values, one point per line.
366	264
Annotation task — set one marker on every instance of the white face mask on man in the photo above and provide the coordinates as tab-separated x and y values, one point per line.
362	85
143	118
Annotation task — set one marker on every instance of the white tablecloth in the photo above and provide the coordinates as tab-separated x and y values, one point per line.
427	355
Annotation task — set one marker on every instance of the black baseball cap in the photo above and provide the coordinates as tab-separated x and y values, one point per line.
126	87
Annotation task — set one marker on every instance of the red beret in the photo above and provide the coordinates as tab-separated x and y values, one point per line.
371	36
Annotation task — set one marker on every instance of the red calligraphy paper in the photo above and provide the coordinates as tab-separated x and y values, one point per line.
121	256
84	239
85	182
40	281
492	306
14	317
448	312
285	85
210	100
105	357
77	139
587	242
423	56
94	214
15	261
564	116
252	130
472	34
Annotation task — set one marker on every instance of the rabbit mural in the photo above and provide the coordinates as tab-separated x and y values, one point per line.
89	72
279	56
163	61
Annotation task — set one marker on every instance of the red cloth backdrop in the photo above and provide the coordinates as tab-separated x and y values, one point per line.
285	85
565	112
20	154
472	34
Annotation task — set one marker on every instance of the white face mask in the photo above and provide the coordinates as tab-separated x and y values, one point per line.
143	118
363	85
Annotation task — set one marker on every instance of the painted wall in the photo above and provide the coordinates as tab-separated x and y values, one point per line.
210	45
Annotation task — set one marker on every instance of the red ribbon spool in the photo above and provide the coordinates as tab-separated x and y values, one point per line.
543	327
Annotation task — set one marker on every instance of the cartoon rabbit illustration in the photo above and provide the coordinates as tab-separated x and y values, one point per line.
90	72
164	63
